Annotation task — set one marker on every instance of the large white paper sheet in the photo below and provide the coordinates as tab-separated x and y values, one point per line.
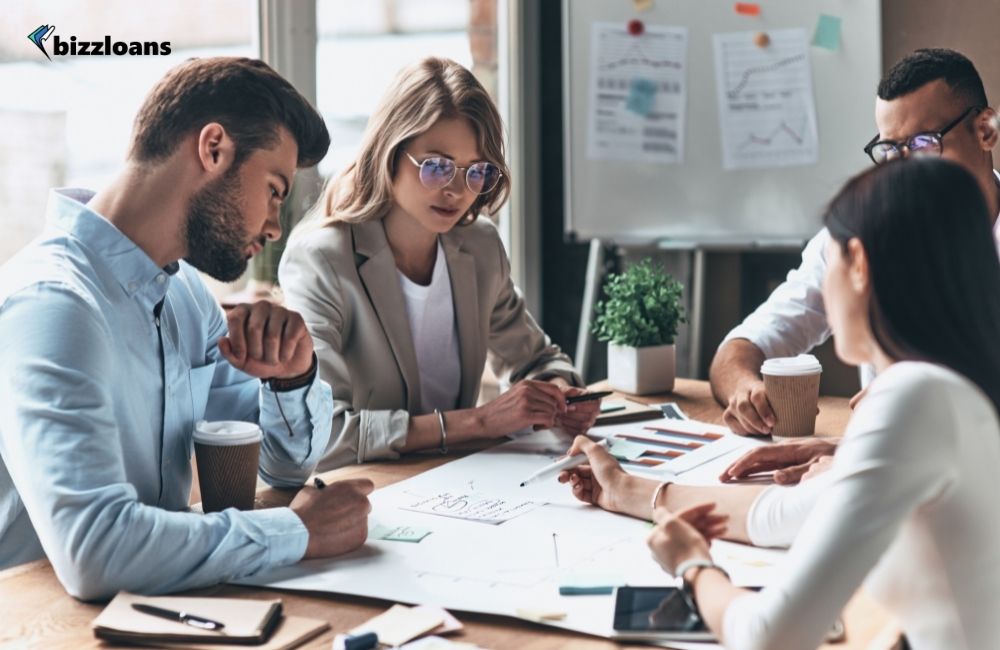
496	569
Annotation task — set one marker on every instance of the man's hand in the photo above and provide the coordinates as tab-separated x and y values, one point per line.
791	459
335	516
748	411
266	340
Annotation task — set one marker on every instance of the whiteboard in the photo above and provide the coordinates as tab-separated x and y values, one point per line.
697	200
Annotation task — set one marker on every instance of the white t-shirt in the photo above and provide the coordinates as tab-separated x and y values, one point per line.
435	340
792	320
909	506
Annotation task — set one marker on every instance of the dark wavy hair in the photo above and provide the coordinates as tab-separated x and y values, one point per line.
934	268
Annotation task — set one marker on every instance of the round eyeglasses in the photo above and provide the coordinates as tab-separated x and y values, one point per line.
437	172
926	144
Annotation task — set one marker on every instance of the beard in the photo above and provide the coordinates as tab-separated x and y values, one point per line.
215	230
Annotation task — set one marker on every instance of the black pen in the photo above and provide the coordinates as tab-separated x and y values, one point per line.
180	617
587	397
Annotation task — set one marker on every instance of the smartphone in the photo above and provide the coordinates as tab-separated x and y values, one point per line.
657	613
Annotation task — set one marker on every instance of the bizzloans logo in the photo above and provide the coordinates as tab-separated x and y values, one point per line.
107	47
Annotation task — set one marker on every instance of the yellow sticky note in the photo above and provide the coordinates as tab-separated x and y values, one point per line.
538	614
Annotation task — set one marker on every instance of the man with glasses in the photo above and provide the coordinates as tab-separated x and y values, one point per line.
931	103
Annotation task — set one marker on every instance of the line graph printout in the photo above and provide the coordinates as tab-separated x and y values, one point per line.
638	93
767	112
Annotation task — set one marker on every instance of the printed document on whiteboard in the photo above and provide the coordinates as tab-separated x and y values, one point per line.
638	93
767	112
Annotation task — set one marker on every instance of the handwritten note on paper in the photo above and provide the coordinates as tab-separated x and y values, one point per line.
398	533
472	507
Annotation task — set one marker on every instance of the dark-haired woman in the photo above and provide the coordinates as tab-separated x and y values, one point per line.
909	505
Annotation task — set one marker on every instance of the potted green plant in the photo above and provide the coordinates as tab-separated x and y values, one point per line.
639	320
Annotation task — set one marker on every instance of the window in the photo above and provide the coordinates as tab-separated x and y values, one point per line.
66	122
362	45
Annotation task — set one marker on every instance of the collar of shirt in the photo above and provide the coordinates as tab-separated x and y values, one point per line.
135	271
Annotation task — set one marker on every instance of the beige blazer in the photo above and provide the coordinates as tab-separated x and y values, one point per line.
343	280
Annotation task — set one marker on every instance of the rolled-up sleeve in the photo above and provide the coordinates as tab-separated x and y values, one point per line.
793	319
57	421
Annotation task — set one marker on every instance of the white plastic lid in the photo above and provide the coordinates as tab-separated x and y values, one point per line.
226	433
804	364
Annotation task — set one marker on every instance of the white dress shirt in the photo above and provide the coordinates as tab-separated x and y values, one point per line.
792	320
909	507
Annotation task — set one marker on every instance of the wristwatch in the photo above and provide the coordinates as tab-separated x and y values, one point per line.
279	385
687	586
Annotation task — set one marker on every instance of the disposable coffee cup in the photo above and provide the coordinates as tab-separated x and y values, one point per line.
792	385
227	453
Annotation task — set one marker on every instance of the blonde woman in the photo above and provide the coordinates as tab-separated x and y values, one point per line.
406	290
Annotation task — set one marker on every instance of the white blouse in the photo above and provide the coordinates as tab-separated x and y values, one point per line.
909	507
431	311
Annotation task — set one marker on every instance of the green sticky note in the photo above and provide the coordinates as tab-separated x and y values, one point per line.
589	584
626	450
398	533
827	34
641	96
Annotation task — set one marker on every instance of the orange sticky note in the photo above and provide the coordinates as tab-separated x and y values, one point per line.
747	8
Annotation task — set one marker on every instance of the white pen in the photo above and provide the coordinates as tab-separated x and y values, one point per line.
553	469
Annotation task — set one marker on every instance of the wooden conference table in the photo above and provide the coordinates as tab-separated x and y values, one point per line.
37	612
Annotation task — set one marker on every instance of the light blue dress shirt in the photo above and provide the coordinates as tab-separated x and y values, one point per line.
95	446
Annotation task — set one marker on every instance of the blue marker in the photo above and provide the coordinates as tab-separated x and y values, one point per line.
366	641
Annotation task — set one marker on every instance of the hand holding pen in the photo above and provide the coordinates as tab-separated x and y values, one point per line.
582	409
567	462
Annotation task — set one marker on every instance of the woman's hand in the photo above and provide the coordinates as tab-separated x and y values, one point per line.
817	467
578	417
602	482
684	535
528	403
789	459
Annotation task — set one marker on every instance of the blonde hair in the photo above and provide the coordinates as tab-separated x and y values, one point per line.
420	96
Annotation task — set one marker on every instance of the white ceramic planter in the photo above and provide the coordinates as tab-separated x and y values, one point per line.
642	371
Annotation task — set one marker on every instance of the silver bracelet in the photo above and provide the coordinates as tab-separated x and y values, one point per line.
444	434
656	497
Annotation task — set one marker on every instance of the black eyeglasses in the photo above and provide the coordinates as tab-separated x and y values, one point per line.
922	144
437	172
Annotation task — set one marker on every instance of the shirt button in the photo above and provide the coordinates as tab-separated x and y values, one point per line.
161	278
132	286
